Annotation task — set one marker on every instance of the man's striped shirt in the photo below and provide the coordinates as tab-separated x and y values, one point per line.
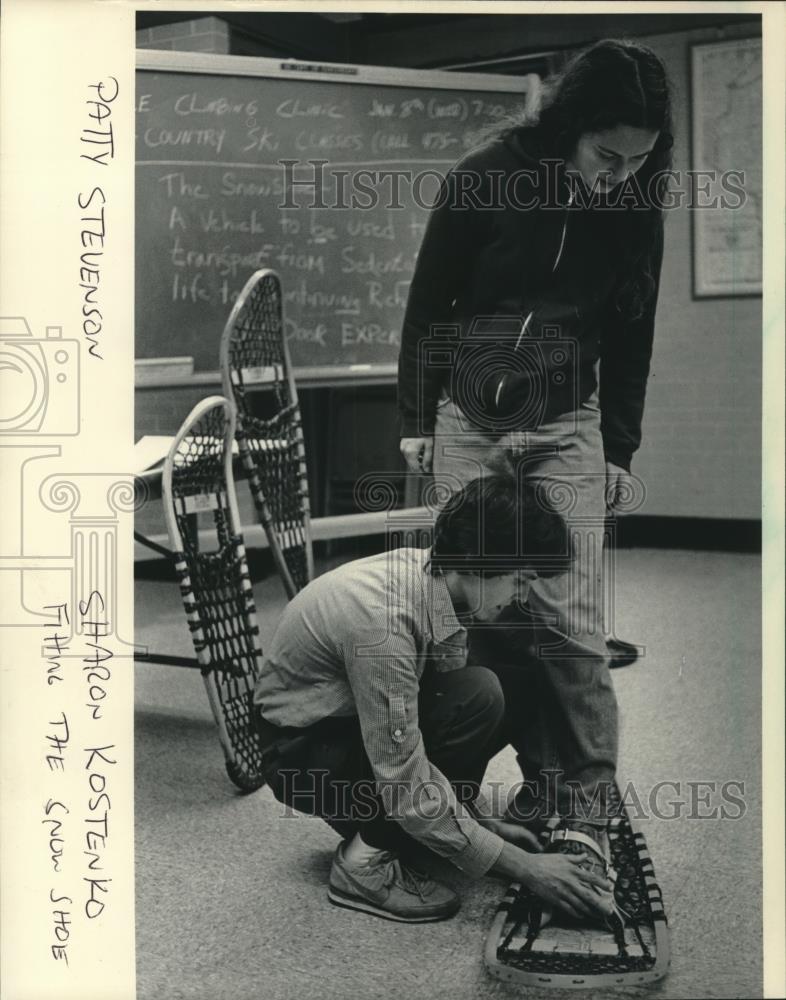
355	641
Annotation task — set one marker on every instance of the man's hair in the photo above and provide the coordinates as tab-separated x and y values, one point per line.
497	525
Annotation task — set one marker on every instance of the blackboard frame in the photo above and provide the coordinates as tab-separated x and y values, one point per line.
161	61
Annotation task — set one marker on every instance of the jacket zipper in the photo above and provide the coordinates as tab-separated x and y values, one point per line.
564	231
554	266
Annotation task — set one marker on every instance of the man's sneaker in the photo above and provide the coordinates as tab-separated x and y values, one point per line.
388	889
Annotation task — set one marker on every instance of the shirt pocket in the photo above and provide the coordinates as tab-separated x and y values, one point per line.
397	718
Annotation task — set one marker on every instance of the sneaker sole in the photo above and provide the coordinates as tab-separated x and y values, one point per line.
338	898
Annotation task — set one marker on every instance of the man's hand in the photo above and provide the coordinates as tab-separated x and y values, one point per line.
557	879
418	453
561	882
617	485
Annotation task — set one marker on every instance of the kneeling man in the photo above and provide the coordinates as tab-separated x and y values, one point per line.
370	717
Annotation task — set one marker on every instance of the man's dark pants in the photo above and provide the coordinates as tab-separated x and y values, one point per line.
323	769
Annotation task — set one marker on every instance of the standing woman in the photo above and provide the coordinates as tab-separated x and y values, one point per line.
541	262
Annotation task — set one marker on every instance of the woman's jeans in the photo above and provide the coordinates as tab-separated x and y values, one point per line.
557	639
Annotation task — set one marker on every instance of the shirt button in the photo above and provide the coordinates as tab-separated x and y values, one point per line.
397	732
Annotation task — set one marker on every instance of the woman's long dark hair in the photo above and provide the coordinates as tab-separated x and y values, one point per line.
616	82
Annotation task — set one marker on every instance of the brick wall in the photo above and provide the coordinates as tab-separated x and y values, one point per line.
204	34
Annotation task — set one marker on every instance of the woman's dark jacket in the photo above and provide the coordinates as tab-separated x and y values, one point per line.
486	264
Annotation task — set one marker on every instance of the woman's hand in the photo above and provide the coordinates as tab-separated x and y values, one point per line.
617	485
418	453
561	882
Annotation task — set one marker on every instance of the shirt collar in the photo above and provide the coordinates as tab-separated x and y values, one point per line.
439	606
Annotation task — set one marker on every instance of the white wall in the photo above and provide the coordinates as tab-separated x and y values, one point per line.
700	455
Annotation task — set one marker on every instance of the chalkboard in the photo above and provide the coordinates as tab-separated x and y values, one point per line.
228	181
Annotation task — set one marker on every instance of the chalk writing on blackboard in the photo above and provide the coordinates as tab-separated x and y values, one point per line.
327	181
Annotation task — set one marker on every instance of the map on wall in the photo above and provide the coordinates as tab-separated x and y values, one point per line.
727	151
